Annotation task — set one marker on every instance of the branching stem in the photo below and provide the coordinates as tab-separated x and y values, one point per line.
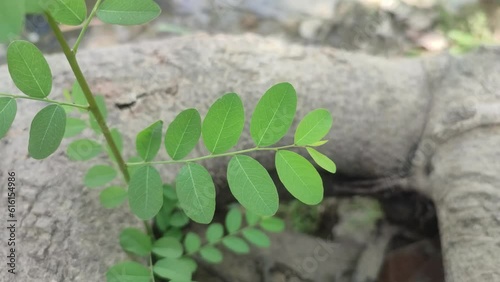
44	100
217	155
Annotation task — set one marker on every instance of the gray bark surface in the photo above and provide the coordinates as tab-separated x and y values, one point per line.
429	124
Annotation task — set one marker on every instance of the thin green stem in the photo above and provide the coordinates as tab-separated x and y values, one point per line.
70	56
75	67
44	100
85	26
217	155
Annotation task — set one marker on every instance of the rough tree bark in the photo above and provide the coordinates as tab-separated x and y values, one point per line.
429	124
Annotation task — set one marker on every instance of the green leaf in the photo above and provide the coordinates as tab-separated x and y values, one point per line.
183	134
175	233
223	124
257	237
145	192
233	220
78	96
196	192
47	131
135	241
8	110
273	115
74	126
112	197
211	254
273	224
12	15
192	242
322	160
128	12
29	69
68	12
176	269
134	168
214	232
101	105
168	247
300	177
236	244
179	219
33	6
251	218
99	175
313	127
83	150
319	143
128	272
252	186
169	192
148	141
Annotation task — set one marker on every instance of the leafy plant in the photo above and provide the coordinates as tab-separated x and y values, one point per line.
193	198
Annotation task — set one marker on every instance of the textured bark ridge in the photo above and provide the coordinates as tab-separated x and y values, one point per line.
429	124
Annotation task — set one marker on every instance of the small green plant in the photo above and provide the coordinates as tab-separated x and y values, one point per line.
193	198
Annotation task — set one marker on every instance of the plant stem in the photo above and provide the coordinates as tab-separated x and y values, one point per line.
218	155
71	57
85	26
75	67
44	100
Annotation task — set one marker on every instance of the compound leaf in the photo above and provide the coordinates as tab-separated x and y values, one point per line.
145	192
300	177
112	197
272	224
128	12
69	12
99	175
233	220
215	231
74	126
83	150
183	134
223	124
196	192
252	186
135	241
257	237
29	69
273	114
211	254
251	218
314	126
148	141
47	131
168	247
127	272
179	219
12	15
8	110
236	244
175	269
322	160
192	242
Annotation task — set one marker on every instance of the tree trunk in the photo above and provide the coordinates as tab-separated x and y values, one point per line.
428	124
